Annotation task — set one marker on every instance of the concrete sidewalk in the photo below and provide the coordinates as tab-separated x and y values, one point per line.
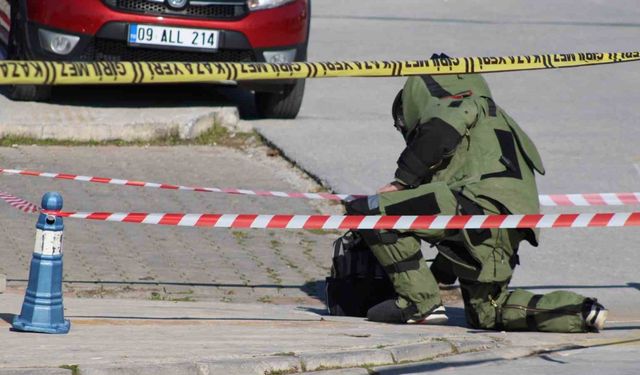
118	113
160	337
134	336
116	260
160	300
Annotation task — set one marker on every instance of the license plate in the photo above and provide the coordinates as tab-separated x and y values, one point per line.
177	37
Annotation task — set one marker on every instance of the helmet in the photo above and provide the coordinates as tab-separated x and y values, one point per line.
413	103
398	115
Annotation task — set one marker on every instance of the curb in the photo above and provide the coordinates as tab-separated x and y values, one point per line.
39	371
343	362
128	130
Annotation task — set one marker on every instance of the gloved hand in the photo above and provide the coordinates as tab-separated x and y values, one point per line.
392	186
363	206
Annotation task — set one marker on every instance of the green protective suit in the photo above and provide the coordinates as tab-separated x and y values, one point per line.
465	155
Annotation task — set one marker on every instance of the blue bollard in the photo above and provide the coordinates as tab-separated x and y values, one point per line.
42	309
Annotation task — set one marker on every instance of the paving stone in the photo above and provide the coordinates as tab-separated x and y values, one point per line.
169	263
3	283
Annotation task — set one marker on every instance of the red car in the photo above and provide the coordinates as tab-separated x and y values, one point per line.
162	30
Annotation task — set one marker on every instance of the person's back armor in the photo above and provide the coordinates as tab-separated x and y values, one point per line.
493	164
491	171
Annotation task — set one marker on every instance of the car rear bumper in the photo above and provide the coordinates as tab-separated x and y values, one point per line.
110	44
103	34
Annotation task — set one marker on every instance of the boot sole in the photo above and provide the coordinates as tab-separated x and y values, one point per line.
431	320
601	319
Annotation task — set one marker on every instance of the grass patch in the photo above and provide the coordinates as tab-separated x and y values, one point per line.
100	292
182	299
293	370
75	370
328	368
275	244
323	232
215	135
285	354
274	276
265	299
241	237
164	296
190	291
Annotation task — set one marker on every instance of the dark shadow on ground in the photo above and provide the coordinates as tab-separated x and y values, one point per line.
457	317
316	289
454	362
139	96
154	96
174	283
182	318
312	288
621	328
8	318
243	99
420	368
621	286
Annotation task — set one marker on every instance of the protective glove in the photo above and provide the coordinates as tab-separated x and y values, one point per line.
363	206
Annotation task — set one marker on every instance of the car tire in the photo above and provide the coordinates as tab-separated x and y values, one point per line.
281	105
29	93
18	51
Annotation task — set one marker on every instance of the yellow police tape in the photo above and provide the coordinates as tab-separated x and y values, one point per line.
74	73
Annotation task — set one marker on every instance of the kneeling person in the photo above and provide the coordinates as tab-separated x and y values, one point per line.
464	156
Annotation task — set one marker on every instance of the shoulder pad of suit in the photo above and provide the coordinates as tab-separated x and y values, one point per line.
460	113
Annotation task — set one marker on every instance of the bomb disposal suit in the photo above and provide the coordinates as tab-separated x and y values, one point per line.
464	155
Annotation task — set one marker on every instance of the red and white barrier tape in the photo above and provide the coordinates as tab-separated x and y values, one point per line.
19	203
623	219
116	181
627	219
596	199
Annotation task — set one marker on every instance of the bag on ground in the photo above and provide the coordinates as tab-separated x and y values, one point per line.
358	281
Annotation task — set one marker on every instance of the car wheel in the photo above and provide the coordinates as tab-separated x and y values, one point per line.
30	93
18	50
284	105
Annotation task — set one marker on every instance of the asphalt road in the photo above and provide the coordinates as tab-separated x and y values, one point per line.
619	358
584	121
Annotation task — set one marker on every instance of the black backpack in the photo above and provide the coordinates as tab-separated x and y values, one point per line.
358	281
